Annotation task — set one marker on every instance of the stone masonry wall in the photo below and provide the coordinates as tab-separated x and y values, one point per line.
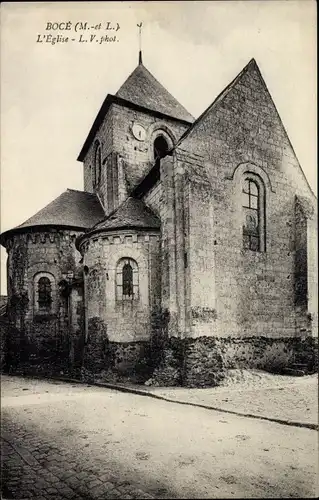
125	160
312	259
154	199
203	362
105	137
201	314
255	291
120	321
45	338
130	320
138	155
107	361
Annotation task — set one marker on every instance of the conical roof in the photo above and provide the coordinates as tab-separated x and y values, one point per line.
132	213
72	208
143	89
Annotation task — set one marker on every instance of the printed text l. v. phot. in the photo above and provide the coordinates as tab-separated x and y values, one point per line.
79	32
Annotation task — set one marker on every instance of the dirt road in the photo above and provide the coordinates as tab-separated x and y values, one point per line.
71	441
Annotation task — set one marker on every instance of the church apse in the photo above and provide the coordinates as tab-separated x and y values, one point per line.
122	289
192	245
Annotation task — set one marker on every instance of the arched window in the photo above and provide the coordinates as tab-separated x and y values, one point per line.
44	289
97	170
161	149
127	280
253	213
44	294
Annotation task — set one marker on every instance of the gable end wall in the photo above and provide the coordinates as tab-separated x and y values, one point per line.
254	291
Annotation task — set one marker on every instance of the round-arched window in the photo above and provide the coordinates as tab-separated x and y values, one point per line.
97	171
161	148
44	287
254	213
127	279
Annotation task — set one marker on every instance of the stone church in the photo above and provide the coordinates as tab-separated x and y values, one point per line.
190	251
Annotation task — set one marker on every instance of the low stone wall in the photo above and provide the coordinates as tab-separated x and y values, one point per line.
307	353
269	354
202	362
168	357
257	352
28	360
39	354
4	333
120	362
162	361
11	354
189	362
106	361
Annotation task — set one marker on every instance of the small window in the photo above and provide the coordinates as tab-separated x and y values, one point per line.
44	294
253	213
44	287
97	170
161	149
127	280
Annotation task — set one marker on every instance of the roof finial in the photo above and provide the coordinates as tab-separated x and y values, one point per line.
140	43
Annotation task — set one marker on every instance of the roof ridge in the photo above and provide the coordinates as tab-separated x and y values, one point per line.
72	208
224	93
79	191
127	199
142	88
138	215
142	91
159	83
217	99
113	211
285	131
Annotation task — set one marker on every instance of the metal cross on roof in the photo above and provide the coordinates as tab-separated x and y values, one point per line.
140	42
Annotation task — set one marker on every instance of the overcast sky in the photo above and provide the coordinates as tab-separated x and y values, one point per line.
50	94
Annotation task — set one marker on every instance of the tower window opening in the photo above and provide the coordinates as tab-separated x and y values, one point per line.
161	149
97	171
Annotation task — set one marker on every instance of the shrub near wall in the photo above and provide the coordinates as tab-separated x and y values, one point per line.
106	361
168	368
269	354
95	350
203	363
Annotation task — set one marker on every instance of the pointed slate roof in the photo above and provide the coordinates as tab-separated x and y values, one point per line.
132	213
143	92
143	89
72	208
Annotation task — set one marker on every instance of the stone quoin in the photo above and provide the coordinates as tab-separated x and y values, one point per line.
191	250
